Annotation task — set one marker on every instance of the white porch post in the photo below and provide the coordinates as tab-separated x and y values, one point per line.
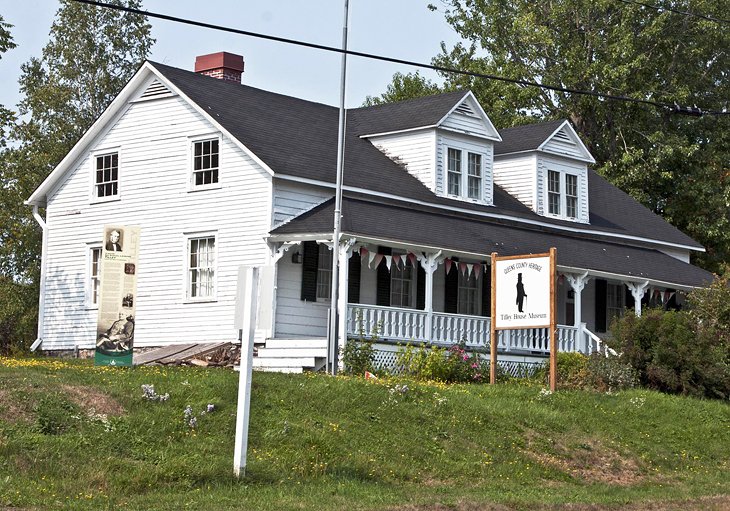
637	291
268	321
345	251
577	283
429	263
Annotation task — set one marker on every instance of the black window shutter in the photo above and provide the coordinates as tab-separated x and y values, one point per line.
310	257
486	290
600	302
420	287
353	279
451	288
382	295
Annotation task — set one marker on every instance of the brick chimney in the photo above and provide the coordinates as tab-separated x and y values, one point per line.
222	65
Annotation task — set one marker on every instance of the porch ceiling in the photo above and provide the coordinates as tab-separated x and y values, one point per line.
420	226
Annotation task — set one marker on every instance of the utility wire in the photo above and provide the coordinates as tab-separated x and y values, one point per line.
672	108
675	11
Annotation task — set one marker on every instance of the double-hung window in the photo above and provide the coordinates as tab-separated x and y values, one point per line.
454	172
205	162
324	272
94	281
464	174
401	284
468	299
475	176
201	267
615	301
106	176
562	194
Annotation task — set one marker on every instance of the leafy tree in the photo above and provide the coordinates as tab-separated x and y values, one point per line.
411	85
6	43
91	55
674	164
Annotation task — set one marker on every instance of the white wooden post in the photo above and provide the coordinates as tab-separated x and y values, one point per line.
429	263
344	253
577	283
248	305
637	291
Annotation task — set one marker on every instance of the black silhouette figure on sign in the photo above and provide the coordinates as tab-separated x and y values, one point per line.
520	293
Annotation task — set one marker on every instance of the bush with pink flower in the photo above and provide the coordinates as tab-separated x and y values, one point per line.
452	365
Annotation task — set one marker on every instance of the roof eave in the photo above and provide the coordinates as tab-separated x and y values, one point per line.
38	197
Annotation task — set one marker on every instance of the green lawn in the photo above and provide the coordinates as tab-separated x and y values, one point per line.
79	437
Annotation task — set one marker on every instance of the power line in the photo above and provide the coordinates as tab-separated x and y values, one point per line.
672	108
675	11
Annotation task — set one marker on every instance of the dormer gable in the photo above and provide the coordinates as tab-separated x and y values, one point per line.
467	117
545	166
448	145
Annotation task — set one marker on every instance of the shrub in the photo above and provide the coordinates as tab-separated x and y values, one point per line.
452	365
358	352
681	352
595	372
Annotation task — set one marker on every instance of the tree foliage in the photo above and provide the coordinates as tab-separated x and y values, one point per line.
676	165
404	86
6	43
91	54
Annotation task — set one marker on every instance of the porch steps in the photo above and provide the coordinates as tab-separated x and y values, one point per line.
291	355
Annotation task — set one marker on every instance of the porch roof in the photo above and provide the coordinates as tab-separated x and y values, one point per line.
401	223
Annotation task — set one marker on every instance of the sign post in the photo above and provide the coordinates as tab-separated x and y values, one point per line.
248	282
523	296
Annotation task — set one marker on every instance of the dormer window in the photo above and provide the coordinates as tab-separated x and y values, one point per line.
461	179
562	194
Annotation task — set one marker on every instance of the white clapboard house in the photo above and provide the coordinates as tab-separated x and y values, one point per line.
218	175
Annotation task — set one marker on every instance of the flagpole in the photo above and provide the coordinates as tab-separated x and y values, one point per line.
333	337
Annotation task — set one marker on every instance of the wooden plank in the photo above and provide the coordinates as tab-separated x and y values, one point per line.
158	354
193	351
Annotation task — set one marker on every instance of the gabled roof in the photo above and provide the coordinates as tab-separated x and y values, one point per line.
537	137
465	233
296	139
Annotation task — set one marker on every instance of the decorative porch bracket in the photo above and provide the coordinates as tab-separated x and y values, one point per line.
278	252
637	291
577	283
429	262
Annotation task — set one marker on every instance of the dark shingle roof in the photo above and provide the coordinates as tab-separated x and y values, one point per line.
413	113
464	233
298	138
525	138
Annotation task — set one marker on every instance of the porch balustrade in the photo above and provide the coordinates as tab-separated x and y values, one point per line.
410	325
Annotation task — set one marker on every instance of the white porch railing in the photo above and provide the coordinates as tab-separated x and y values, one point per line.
410	325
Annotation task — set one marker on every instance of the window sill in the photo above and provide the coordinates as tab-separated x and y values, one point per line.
104	200
201	300
204	188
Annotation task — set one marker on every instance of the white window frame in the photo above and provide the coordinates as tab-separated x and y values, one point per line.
189	238
562	193
464	172
407	277
324	273
93	293
95	155
462	289
192	187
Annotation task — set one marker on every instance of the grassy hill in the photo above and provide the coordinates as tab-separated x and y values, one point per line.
79	437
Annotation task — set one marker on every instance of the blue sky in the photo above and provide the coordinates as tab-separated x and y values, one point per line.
399	28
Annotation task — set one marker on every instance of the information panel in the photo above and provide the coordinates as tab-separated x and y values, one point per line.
117	296
522	292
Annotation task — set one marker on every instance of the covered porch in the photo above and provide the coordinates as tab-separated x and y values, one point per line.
401	293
